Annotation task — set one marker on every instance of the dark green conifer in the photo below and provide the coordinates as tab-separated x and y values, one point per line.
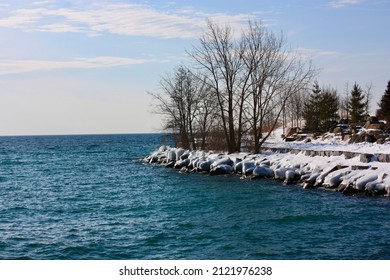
320	109
311	110
329	107
356	104
384	105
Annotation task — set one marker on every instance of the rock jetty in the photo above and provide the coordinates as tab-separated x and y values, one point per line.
347	173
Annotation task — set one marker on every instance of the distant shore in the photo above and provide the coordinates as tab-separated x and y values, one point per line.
348	172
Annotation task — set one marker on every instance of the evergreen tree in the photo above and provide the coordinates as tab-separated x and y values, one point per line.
320	109
384	105
328	109
356	104
311	109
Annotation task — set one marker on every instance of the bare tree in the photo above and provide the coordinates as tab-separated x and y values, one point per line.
296	107
207	115
344	103
244	82
219	57
276	75
179	101
368	94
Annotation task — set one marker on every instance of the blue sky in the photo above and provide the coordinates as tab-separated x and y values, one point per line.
80	67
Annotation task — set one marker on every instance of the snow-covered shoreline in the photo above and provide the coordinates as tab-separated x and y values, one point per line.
349	169
358	148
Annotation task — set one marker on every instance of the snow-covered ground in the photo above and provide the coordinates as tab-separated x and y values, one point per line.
329	143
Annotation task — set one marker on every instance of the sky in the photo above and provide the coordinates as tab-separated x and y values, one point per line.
86	67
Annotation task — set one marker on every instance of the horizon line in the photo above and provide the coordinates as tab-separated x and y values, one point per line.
82	134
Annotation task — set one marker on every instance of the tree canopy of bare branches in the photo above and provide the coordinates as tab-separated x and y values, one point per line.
239	85
252	78
276	75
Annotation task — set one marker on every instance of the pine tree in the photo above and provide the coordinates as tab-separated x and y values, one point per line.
329	106
356	104
320	109
311	109
384	105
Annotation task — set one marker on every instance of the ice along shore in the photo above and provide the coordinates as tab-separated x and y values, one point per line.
343	171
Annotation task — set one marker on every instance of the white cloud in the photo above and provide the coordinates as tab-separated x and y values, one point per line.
124	19
21	18
60	27
39	3
317	52
343	3
22	66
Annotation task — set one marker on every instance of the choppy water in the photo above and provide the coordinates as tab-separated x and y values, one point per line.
90	197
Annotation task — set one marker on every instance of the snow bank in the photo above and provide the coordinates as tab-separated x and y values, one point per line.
348	175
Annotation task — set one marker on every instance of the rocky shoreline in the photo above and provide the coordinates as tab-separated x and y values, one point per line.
347	172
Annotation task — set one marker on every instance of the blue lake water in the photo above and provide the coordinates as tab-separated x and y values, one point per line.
91	197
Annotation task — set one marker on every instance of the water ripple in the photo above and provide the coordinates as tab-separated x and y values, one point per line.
90	197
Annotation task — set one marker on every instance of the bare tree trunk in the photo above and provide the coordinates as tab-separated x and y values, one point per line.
368	94
220	58
276	74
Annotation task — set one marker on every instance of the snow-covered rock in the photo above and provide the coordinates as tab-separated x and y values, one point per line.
341	171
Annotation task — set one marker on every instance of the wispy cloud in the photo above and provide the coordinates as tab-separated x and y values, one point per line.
124	19
44	2
318	52
22	66
344	3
